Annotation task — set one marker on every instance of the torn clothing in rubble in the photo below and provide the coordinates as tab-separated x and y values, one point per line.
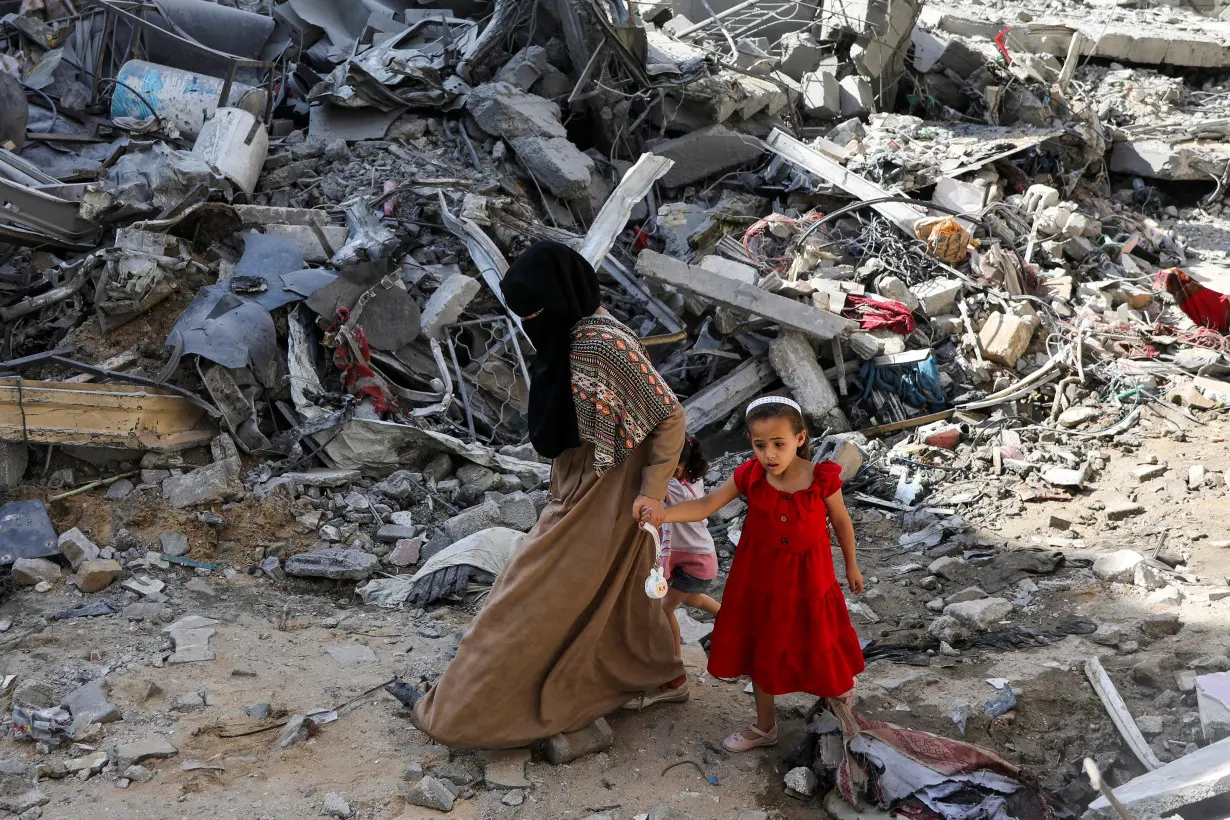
879	314
551	287
927	777
567	634
353	357
1204	306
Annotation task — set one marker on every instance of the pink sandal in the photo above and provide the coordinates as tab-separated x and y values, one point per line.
738	743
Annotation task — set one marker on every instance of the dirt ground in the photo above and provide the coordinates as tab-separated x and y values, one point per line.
229	766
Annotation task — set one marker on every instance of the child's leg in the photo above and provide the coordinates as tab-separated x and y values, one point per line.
701	601
766	714
670	603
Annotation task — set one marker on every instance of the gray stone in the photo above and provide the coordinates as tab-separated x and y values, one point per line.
524	69
77	548
856	98
148	611
35	694
801	782
1151	725
188	702
501	110
982	614
517	512
392	533
138	774
938	297
119	490
296	730
935	605
967	594
557	164
946	567
430	793
792	356
1185	681
127	754
565	748
1117	567
1153	672
1161	625
405	553
28	572
336	806
335	564
448	302
476	519
513	798
174	543
705	152
801	54
210	484
1123	509
96	575
88	704
1148	472
506	769
1107	635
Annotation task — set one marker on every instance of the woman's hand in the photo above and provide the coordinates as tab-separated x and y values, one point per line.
648	510
855	579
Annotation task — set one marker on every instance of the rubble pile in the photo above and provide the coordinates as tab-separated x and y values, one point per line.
250	259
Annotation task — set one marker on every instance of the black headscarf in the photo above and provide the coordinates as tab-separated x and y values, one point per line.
551	287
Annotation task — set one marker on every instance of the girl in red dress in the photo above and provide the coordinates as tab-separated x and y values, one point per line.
783	620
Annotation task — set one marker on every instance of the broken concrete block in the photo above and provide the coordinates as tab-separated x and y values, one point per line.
800	54
706	152
842	449
430	793
1004	338
1063	476
938	297
1117	567
1123	509
506	769
983	614
793	358
210	484
28	572
1213	701
174	543
857	98
729	268
556	164
524	69
1161	625
405	552
476	519
336	564
447	304
88	704
96	575
890	287
1192	778
821	95
77	548
128	754
565	748
502	110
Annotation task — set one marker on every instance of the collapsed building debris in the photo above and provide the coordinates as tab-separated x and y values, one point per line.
250	265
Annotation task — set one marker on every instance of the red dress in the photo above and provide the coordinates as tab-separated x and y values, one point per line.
783	619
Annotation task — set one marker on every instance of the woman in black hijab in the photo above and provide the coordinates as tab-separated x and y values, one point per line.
568	633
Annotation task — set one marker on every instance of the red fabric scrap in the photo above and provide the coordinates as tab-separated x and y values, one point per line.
358	377
874	314
1205	307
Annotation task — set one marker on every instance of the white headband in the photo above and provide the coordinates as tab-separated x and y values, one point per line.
763	400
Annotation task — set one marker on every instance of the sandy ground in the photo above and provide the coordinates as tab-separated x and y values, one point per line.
282	635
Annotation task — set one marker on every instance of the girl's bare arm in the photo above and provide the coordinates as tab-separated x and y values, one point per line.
702	508
844	528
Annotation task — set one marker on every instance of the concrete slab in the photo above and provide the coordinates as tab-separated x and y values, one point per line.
1200	775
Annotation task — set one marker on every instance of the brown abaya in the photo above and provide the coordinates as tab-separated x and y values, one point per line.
568	634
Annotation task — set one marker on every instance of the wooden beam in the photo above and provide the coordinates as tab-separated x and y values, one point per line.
100	415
